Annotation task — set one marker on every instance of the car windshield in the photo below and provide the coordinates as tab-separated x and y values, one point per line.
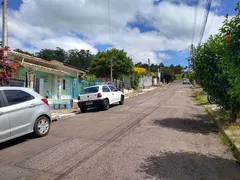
90	90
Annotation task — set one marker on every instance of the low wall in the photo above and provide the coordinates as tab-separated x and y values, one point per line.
145	81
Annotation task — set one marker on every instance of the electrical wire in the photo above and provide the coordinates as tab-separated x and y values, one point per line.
109	23
207	9
200	6
194	22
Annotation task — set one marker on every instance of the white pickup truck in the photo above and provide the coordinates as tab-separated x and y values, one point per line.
99	96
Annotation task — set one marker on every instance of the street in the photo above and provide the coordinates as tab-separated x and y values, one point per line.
162	134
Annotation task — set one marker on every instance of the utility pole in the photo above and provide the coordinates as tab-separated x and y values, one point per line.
4	26
148	65
159	75
111	71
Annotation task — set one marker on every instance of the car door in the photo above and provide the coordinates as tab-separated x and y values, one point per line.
20	110
4	120
115	93
107	93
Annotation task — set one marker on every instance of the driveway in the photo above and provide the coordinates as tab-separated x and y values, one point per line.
161	134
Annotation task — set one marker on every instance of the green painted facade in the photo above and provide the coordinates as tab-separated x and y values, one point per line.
68	90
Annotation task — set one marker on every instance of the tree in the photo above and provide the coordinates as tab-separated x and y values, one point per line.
53	54
161	65
89	78
122	64
80	58
77	58
23	52
168	76
209	71
231	56
7	67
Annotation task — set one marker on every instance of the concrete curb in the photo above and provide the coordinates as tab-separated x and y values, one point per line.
61	116
235	151
143	92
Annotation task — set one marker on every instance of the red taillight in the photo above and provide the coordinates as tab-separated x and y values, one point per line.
99	95
45	101
79	98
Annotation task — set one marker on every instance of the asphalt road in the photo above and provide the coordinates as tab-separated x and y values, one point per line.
161	134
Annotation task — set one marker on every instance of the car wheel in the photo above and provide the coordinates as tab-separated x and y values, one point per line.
83	109
105	104
42	126
122	100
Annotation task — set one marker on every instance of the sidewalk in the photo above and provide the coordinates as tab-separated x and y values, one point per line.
139	92
230	133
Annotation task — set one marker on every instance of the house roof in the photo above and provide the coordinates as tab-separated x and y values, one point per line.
43	68
49	64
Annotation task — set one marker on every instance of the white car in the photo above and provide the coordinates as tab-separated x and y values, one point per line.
186	81
99	96
23	111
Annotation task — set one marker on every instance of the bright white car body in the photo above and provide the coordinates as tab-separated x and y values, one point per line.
99	96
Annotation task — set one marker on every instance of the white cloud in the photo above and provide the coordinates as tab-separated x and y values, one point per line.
163	56
50	24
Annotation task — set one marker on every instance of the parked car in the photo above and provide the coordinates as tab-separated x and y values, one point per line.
23	111
99	96
186	81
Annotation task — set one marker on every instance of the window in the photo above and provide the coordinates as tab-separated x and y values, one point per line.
105	89
17	96
90	90
112	88
64	84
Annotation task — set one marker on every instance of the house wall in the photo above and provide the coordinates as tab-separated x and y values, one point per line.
67	93
145	81
50	88
47	82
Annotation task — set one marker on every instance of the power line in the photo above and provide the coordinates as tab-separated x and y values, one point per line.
207	9
110	41
200	5
194	23
213	16
109	23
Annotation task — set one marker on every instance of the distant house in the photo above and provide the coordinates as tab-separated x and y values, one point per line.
52	79
186	71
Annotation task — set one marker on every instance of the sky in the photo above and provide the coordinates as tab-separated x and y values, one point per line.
159	30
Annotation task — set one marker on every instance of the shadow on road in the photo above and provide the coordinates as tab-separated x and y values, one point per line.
98	109
198	125
16	141
186	165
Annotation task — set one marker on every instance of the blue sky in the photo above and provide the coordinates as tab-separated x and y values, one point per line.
143	34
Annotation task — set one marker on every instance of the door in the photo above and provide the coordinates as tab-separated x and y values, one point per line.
107	93
115	94
4	120
21	110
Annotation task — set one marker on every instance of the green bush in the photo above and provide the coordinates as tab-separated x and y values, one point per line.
168	76
135	80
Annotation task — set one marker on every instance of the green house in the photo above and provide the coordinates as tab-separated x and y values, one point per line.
56	81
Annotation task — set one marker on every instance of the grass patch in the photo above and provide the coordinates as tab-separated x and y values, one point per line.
234	127
222	116
200	97
178	77
226	141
